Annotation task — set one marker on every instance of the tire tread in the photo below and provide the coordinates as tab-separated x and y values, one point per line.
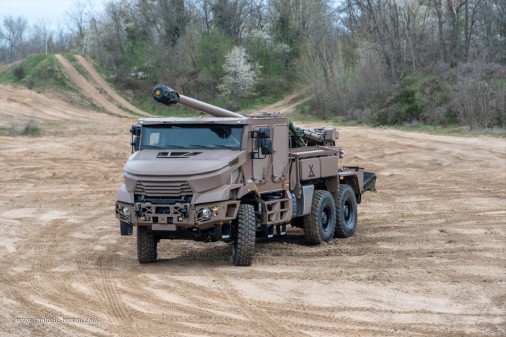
246	236
146	245
311	226
340	231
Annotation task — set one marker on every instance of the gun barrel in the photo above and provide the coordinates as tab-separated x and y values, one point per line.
168	96
208	108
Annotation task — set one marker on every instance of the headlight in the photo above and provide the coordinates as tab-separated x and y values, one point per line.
123	211
204	214
126	211
207	213
119	208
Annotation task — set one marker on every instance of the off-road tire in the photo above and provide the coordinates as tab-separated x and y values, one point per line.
346	208
146	245
244	236
319	225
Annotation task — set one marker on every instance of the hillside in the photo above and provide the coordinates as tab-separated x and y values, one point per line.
57	75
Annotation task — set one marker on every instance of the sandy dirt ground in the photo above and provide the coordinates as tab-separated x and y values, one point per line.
428	258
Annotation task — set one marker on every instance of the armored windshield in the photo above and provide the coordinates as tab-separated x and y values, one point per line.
191	137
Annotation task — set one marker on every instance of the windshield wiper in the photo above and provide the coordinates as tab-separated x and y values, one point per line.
157	147
176	147
214	146
164	147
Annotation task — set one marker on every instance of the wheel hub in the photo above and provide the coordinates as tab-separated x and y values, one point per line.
325	218
346	211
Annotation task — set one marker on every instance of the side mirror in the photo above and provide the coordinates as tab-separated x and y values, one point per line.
266	146
135	130
264	133
263	143
135	143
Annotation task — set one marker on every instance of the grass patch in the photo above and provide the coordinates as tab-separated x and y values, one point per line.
259	101
302	113
40	72
28	129
105	72
27	65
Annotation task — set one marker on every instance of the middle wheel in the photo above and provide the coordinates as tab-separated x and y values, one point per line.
319	225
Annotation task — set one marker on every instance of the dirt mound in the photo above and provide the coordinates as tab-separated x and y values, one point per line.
427	259
89	90
102	84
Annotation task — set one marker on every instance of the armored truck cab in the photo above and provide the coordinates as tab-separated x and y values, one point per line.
234	178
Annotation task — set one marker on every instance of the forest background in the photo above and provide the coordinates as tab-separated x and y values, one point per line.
381	62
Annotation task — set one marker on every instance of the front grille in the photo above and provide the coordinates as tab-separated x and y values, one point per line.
163	188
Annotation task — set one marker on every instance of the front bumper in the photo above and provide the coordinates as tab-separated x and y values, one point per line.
169	217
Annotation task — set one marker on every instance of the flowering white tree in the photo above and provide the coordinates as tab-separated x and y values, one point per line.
240	74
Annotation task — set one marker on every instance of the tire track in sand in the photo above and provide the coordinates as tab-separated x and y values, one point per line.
107	290
99	80
89	90
258	317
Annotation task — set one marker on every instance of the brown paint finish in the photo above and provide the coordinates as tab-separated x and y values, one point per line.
191	175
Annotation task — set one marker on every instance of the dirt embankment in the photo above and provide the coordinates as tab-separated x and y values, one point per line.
428	258
110	92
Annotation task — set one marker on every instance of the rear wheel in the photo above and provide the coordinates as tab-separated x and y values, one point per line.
346	207
244	236
319	225
146	245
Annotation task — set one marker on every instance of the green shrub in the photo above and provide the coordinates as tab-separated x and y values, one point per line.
410	108
19	73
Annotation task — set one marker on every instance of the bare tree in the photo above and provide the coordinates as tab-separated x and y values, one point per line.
40	36
466	28
77	19
206	15
489	37
174	19
231	16
62	39
14	35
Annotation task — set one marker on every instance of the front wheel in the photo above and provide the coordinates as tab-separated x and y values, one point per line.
146	245
244	236
319	225
346	207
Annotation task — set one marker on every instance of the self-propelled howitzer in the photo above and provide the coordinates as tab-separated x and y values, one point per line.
234	178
